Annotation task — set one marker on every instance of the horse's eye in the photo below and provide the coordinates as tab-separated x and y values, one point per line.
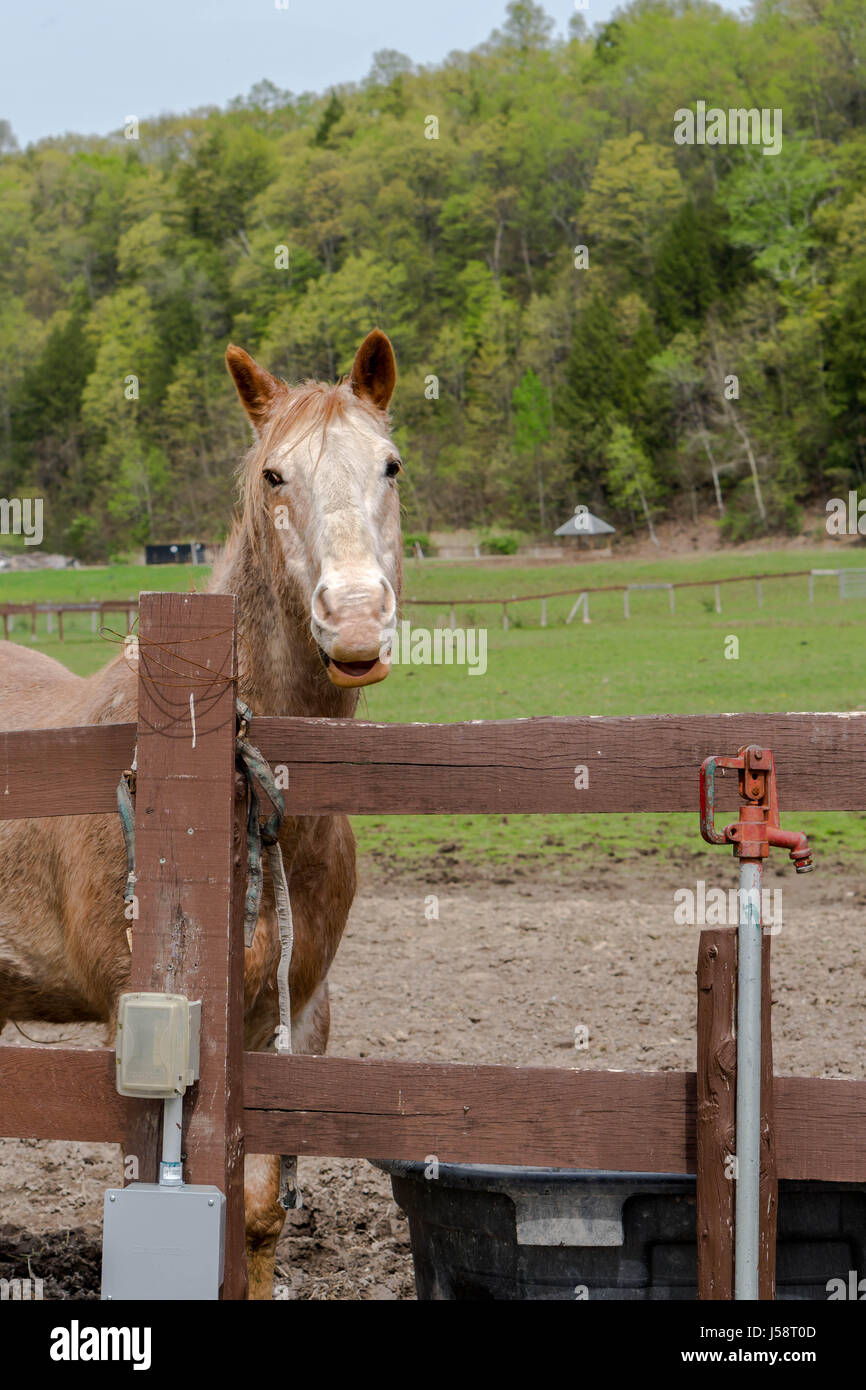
392	468
271	478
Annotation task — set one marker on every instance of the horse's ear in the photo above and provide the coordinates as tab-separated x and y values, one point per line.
374	371
257	388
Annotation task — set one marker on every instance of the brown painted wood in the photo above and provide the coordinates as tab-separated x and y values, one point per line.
63	772
352	1108
188	938
545	1115
820	1124
641	764
716	1110
52	1092
769	1191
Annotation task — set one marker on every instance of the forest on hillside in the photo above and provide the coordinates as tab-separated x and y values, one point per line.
583	309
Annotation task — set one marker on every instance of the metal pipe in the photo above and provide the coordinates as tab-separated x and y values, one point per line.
171	1168
748	1171
751	837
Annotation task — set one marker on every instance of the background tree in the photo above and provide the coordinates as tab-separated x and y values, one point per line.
526	383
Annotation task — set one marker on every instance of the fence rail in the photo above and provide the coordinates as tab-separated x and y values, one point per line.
643	764
849	587
98	608
348	1107
852	584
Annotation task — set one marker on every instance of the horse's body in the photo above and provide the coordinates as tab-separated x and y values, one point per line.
315	563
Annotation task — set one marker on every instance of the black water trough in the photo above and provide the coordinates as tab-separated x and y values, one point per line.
485	1232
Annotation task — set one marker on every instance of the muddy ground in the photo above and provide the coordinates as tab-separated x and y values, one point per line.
508	971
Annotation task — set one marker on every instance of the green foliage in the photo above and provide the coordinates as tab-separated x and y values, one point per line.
530	378
741	521
331	116
533	414
499	545
413	538
771	203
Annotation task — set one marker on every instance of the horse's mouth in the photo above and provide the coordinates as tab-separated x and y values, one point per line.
354	673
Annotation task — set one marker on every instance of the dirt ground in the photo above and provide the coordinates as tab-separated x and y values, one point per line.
506	973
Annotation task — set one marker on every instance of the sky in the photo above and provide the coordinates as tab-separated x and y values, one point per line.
85	66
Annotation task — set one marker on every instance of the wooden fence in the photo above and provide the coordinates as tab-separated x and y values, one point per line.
188	936
850	585
98	610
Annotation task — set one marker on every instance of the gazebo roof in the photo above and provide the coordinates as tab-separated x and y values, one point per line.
583	523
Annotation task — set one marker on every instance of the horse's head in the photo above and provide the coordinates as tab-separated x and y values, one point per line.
321	491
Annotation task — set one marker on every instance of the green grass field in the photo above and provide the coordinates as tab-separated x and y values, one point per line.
793	655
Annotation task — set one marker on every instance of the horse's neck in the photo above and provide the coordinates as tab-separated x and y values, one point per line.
280	671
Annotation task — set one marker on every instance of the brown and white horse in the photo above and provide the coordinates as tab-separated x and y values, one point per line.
315	561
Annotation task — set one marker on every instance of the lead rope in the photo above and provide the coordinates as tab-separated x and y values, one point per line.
256	770
126	811
291	1195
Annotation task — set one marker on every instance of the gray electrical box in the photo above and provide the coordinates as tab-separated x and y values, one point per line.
163	1243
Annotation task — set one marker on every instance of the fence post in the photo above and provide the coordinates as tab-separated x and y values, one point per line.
625	602
769	1179
505	616
544	612
672	598
718	599
576	607
190	846
716	1119
760	595
716	1111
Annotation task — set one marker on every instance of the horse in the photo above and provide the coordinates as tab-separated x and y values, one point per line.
315	559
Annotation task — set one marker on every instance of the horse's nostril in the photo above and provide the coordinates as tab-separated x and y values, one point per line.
320	604
389	600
